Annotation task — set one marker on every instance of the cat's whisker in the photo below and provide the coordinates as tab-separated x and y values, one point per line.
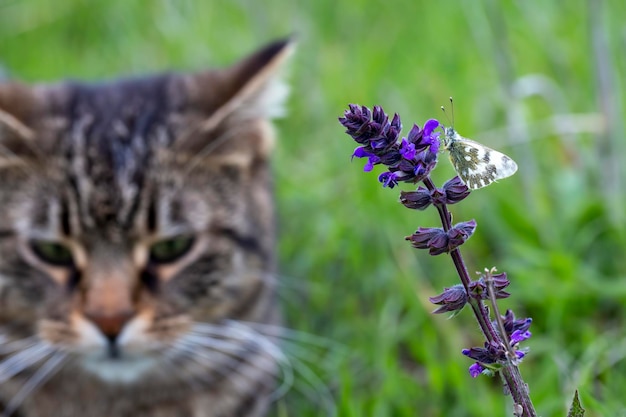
17	362
51	366
267	346
169	360
178	363
249	332
298	361
244	334
210	357
285	333
269	279
237	350
305	346
282	360
8	346
211	360
321	392
185	366
247	337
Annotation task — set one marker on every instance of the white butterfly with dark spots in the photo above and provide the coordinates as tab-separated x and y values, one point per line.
477	165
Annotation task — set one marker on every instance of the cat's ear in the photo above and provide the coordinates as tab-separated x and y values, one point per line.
28	120
251	89
18	106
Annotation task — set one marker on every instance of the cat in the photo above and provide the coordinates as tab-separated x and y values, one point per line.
137	244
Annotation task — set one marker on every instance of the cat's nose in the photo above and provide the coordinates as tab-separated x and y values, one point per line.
111	325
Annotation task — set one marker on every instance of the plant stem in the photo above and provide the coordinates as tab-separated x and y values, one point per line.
480	310
509	371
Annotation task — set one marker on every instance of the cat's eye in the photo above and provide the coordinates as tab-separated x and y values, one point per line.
54	253
169	250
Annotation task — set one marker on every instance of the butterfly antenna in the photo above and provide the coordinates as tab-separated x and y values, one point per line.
443	109
452	109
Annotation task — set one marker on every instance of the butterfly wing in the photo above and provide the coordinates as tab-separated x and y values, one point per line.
478	165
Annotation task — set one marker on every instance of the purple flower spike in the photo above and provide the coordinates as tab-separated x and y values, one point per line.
410	160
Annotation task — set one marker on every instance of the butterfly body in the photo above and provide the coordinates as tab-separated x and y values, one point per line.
476	164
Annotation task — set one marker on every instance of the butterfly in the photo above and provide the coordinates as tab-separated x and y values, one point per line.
477	165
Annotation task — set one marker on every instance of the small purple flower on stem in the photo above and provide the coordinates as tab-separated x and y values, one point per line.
419	199
432	138
460	233
478	288
454	190
415	137
476	369
430	126
388	179
407	149
438	241
519	336
452	299
511	324
372	160
490	354
423	237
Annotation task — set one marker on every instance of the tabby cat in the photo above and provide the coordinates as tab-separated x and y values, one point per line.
136	244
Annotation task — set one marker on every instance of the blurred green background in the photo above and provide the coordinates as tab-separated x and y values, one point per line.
540	81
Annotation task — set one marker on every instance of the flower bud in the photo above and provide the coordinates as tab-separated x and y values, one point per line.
459	234
423	236
452	299
455	190
419	199
478	288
